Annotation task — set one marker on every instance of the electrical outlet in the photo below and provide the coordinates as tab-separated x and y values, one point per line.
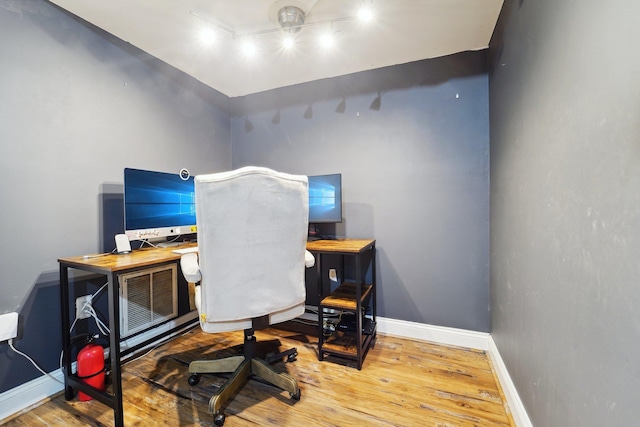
83	305
8	326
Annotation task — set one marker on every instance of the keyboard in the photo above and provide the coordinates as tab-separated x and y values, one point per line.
185	250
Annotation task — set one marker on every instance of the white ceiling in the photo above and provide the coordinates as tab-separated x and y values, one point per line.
403	31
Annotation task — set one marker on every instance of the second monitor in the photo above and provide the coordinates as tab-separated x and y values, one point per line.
325	199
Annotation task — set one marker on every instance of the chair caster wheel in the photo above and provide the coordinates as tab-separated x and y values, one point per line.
292	357
295	396
218	419
194	379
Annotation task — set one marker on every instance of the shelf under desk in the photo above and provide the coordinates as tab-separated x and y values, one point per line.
349	296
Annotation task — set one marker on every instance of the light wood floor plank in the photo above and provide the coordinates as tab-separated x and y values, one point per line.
402	383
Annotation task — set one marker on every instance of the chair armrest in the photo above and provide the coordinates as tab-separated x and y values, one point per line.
309	259
190	267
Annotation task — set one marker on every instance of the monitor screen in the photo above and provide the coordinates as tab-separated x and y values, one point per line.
158	205
325	198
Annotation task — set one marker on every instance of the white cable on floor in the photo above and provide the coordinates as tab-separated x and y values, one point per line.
31	360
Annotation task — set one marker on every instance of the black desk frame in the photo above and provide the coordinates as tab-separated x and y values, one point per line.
97	266
356	248
72	381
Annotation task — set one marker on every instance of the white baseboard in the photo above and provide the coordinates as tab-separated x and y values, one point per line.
519	413
30	393
439	334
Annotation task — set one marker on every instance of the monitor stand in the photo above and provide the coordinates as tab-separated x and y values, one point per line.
320	237
326	231
169	244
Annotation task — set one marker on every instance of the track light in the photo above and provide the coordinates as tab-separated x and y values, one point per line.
249	48
365	13
208	36
287	42
326	39
290	18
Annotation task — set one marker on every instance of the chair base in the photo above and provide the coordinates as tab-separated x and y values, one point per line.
243	367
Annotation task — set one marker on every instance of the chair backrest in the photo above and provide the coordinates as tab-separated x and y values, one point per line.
252	233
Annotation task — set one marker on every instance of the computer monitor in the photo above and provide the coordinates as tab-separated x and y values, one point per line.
325	199
158	205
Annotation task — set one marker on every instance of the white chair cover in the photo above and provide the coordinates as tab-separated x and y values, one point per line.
252	233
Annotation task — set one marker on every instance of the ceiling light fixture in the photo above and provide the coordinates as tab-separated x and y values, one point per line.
249	48
288	42
365	13
326	39
208	36
290	18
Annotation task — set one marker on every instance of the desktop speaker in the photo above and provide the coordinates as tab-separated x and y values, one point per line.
122	244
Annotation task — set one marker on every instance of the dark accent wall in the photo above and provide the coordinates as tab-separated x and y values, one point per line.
565	208
77	106
412	144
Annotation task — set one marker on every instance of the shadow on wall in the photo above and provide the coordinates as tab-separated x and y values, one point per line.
364	227
111	209
393	290
54	21
38	333
39	327
428	72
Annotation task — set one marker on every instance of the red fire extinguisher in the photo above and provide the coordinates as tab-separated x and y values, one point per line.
91	367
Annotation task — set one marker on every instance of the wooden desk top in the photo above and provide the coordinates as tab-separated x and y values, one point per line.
351	246
118	262
154	256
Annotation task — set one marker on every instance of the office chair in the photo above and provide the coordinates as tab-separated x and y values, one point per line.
252	233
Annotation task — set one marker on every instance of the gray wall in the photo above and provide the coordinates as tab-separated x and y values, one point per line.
565	208
79	105
76	107
415	174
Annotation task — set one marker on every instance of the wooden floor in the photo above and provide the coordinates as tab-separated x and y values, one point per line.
402	383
